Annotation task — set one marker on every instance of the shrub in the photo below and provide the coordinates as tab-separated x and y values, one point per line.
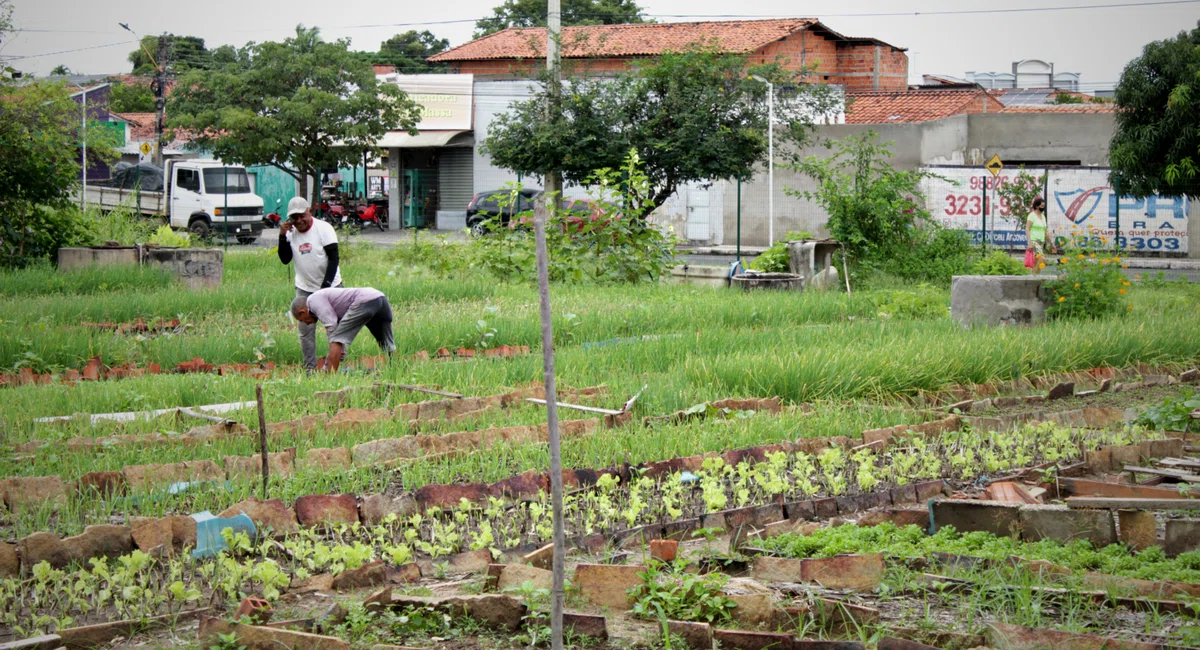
999	263
923	302
933	254
1087	286
169	237
775	259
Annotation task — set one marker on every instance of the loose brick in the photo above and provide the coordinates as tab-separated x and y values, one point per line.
605	585
854	572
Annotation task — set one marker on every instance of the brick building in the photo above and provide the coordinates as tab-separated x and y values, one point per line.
858	64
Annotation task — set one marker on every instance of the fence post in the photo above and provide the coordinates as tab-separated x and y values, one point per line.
1117	216
983	190
739	219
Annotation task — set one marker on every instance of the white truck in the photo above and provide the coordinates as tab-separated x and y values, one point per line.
202	196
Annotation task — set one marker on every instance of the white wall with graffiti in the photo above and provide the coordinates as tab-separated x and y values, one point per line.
1081	208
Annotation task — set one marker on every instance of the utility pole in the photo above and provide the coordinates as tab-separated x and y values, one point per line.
545	206
160	97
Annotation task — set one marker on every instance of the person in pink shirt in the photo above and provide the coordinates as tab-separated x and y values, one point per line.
344	312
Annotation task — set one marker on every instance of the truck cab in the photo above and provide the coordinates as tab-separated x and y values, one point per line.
207	197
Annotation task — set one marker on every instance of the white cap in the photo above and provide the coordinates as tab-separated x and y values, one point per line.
297	205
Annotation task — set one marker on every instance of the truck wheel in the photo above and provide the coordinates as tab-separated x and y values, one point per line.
199	229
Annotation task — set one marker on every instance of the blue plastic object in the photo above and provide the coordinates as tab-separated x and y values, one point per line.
687	477
210	541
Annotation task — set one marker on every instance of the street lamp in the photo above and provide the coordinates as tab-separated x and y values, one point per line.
770	158
83	140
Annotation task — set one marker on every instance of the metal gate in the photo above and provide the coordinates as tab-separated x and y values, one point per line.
455	178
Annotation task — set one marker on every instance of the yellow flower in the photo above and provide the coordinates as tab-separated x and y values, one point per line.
1116	259
1097	293
1042	265
1076	285
1081	256
1062	261
1122	292
1125	282
1124	266
1062	298
1130	307
1093	256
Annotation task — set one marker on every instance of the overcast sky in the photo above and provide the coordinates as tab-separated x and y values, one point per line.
1096	42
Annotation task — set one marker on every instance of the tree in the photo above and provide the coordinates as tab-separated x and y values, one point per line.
39	165
409	51
691	116
60	70
302	105
870	203
183	53
132	97
1157	139
532	13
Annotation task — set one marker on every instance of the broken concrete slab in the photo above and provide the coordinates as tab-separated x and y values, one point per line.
698	636
1004	636
33	492
100	541
367	575
498	610
541	558
255	637
1183	535
1000	519
326	509
1061	523
376	507
1137	529
851	572
43	547
606	585
777	569
513	576
588	625
10	563
270	515
43	642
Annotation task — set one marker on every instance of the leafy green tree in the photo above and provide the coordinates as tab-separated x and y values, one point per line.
409	51
691	116
131	98
870	203
1157	140
183	53
532	13
60	70
301	106
39	166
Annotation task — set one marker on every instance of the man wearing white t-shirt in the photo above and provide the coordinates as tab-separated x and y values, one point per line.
312	245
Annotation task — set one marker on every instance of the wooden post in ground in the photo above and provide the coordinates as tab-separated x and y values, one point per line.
262	439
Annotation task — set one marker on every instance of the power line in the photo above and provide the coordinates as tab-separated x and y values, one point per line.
81	49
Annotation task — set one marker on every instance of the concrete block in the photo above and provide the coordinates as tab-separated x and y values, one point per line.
998	518
991	300
1183	535
512	576
699	636
777	569
1137	529
1061	523
853	572
605	585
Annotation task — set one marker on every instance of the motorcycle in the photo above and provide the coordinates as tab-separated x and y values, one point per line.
272	219
361	217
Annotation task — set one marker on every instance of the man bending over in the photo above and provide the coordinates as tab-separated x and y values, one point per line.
344	312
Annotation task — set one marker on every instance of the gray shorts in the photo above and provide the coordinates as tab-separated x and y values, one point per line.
375	315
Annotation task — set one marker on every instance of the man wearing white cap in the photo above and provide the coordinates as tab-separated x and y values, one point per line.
313	246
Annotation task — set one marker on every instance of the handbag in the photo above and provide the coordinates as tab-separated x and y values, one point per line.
1030	259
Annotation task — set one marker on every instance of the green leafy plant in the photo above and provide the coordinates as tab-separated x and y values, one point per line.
999	263
922	302
1173	414
775	259
1017	194
667	589
1087	286
169	237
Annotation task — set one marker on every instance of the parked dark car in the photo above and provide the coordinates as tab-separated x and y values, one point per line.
486	205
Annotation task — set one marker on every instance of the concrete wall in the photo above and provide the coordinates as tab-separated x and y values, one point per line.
913	144
1046	137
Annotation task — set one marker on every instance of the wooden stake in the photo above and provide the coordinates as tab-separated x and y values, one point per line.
557	593
262	439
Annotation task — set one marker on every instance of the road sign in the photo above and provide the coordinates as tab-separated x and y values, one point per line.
994	165
146	148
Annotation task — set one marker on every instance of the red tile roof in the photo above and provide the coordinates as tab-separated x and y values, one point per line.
141	125
915	105
1063	108
734	36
